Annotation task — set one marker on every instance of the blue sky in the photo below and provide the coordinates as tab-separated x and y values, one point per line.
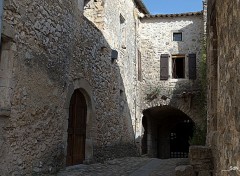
173	6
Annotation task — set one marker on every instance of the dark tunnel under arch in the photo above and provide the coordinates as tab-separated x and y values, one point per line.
167	131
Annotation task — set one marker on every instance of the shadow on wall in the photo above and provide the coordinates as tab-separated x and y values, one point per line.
37	132
109	129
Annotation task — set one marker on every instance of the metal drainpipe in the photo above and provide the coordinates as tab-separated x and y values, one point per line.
1	19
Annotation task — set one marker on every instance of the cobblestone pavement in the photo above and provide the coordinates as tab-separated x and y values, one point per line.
131	166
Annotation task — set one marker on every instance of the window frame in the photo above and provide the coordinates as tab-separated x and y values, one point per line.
177	33
174	67
178	55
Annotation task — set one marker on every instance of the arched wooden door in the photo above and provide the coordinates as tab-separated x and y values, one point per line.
76	129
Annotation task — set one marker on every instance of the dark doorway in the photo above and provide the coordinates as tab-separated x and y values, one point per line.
179	67
179	139
167	131
76	129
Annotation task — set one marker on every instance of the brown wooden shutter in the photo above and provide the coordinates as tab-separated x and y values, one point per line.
139	66
164	67
192	66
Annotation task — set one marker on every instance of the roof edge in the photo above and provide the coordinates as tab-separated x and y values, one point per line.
141	6
173	15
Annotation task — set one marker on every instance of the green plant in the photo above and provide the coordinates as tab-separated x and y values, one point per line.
200	130
199	136
153	93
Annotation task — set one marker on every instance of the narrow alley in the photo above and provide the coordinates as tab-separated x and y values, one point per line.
118	88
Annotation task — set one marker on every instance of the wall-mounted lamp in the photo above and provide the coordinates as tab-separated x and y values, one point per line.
114	55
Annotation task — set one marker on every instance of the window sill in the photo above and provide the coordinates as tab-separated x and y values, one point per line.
179	79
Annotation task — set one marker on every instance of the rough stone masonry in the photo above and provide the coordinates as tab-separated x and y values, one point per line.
52	48
223	80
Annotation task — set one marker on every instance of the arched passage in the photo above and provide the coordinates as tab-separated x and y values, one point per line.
168	131
76	129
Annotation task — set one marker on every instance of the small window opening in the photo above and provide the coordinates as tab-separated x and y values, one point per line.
122	19
122	41
178	67
121	92
177	36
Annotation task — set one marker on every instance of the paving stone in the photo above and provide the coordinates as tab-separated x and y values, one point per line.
130	166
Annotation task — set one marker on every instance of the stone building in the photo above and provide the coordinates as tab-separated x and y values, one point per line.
56	56
223	30
74	75
171	48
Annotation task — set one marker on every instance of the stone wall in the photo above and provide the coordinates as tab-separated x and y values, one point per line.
56	47
59	50
6	67
223	90
119	26
156	38
94	11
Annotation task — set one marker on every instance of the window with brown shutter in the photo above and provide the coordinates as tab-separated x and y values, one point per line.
164	67
192	66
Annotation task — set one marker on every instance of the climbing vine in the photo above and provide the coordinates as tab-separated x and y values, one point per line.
200	131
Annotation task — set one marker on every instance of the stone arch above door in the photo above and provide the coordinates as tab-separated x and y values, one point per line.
179	103
86	89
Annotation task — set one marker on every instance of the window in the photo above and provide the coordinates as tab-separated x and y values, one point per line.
6	67
177	36
139	66
122	19
178	67
122	32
